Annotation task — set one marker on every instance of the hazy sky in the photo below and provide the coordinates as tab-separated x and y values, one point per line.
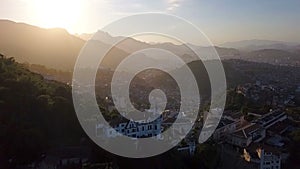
221	20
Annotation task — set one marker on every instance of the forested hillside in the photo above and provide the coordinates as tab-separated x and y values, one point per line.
35	114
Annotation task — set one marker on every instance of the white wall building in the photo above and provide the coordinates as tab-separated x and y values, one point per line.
137	129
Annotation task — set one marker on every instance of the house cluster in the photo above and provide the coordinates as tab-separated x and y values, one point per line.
261	140
267	94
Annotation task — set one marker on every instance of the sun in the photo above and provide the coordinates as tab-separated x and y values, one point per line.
58	13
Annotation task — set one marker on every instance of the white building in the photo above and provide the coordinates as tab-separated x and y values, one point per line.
139	129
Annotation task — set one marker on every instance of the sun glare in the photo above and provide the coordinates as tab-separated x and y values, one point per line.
58	13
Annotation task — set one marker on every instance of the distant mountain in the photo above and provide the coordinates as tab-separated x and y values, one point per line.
224	53
273	56
131	45
250	45
266	51
54	48
84	36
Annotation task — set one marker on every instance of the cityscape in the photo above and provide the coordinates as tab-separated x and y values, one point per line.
168	84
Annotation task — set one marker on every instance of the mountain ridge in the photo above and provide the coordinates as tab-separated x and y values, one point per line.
257	44
56	48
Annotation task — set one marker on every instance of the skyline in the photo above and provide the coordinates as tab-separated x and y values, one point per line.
223	21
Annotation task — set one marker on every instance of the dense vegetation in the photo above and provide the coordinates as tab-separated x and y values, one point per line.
35	114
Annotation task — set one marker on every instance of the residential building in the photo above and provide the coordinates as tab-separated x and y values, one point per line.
265	156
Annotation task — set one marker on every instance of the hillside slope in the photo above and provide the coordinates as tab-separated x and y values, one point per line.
54	48
36	114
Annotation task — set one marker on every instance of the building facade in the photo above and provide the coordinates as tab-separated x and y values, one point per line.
139	129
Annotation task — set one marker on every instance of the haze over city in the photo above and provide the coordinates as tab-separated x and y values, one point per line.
151	84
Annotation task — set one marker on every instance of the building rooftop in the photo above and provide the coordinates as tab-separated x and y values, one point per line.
280	127
252	128
224	122
240	134
247	130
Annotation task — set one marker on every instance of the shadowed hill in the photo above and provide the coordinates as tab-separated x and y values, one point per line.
54	48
